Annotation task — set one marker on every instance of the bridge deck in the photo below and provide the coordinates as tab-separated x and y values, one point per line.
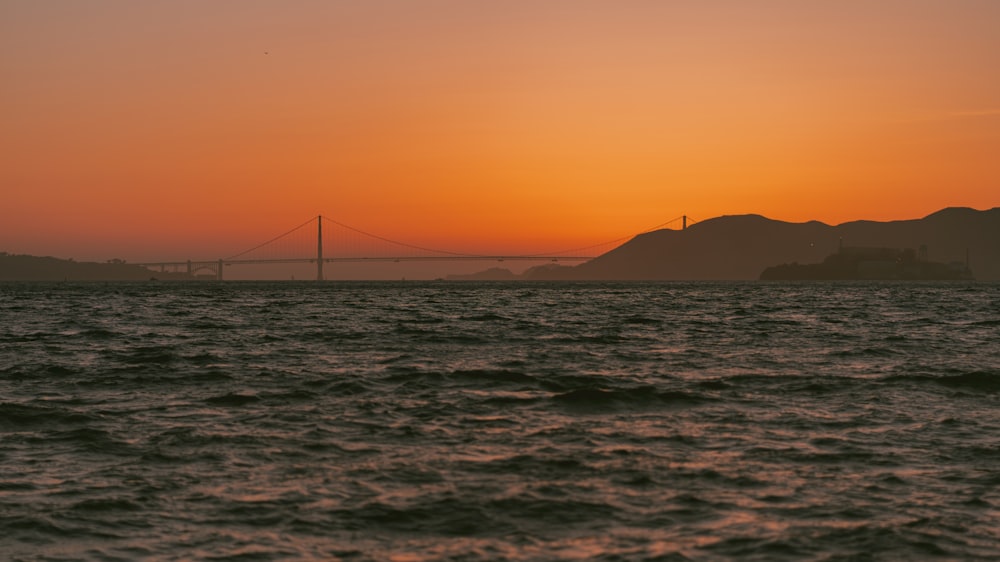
200	263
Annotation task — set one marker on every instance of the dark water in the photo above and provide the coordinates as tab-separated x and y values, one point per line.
437	421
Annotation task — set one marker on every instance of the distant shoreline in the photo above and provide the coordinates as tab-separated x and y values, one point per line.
35	268
741	247
727	248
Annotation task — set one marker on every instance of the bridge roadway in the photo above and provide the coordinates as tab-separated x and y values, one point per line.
217	266
193	266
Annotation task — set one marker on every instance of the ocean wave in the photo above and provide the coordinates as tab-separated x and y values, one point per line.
233	400
16	415
492	377
595	399
981	381
498	422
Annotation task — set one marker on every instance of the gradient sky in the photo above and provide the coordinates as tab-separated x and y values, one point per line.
193	129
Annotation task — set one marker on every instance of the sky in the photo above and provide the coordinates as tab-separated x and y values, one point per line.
189	129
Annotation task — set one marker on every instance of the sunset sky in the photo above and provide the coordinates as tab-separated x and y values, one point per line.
196	129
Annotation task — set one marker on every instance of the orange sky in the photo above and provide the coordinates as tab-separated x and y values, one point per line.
192	129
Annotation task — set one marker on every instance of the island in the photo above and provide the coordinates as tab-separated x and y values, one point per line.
870	263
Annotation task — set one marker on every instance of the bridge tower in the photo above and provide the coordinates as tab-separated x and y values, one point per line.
319	248
684	223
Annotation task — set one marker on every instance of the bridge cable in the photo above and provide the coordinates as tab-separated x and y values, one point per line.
561	252
276	238
398	243
438	251
615	241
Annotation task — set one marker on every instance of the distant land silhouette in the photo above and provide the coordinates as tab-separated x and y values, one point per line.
857	263
34	268
741	247
736	247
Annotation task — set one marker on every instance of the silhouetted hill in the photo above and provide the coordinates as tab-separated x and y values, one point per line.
729	247
34	268
870	262
742	246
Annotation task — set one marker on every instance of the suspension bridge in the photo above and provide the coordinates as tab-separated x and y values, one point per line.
346	244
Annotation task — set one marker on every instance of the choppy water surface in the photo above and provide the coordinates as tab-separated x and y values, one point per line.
444	421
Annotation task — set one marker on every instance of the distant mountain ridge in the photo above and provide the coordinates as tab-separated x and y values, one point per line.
740	247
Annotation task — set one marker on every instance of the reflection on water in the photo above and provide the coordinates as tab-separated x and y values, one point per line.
382	421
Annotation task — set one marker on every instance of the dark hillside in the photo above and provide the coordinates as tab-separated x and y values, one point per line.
742	246
34	268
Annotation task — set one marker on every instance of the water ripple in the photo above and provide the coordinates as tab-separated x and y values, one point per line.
451	421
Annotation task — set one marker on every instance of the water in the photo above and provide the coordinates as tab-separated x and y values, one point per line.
444	421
